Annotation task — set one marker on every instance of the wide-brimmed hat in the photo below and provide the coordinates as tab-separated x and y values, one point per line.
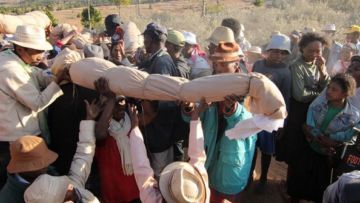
47	188
221	34
254	50
281	42
353	28
181	182
32	37
329	28
176	37
29	153
226	52
190	37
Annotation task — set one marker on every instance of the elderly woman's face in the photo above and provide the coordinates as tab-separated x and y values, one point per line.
312	51
116	53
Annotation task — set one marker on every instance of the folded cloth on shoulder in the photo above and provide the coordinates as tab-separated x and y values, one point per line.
254	125
8	23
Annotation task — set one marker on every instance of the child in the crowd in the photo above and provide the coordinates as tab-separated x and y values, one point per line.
179	181
330	121
277	71
341	66
117	182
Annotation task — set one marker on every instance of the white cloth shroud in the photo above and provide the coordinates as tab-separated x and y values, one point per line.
119	131
253	125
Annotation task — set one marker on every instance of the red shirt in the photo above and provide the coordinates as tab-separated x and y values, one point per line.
115	186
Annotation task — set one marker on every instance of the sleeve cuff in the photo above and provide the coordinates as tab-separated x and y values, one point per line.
87	131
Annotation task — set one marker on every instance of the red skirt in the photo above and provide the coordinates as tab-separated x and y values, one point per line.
115	186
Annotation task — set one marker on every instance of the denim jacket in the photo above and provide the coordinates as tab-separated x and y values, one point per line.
341	127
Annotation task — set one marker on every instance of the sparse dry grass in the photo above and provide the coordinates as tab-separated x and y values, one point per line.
284	16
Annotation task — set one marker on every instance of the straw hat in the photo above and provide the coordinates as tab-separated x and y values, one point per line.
255	50
226	52
47	188
32	37
181	182
329	28
29	153
221	33
281	42
353	28
190	37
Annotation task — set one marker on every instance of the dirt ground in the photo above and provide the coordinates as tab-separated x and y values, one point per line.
275	191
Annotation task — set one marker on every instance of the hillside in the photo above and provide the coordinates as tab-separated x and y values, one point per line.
260	22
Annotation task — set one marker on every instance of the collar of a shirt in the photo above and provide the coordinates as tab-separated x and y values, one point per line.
20	179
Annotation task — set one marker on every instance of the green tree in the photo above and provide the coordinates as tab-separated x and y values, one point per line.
120	3
54	21
95	17
259	2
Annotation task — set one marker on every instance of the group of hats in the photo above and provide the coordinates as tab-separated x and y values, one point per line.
332	28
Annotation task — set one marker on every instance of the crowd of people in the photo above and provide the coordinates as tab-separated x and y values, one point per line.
61	142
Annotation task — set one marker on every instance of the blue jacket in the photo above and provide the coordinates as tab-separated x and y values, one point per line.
341	127
13	191
228	161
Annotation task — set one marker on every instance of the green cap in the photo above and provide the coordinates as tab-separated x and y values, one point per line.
176	37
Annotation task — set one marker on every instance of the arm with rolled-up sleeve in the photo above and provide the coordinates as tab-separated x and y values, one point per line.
196	152
81	164
144	174
18	85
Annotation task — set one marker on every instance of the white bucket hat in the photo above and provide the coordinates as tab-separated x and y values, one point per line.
190	37
181	182
329	27
221	34
32	37
281	42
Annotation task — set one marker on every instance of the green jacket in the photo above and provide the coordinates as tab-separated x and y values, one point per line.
13	191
